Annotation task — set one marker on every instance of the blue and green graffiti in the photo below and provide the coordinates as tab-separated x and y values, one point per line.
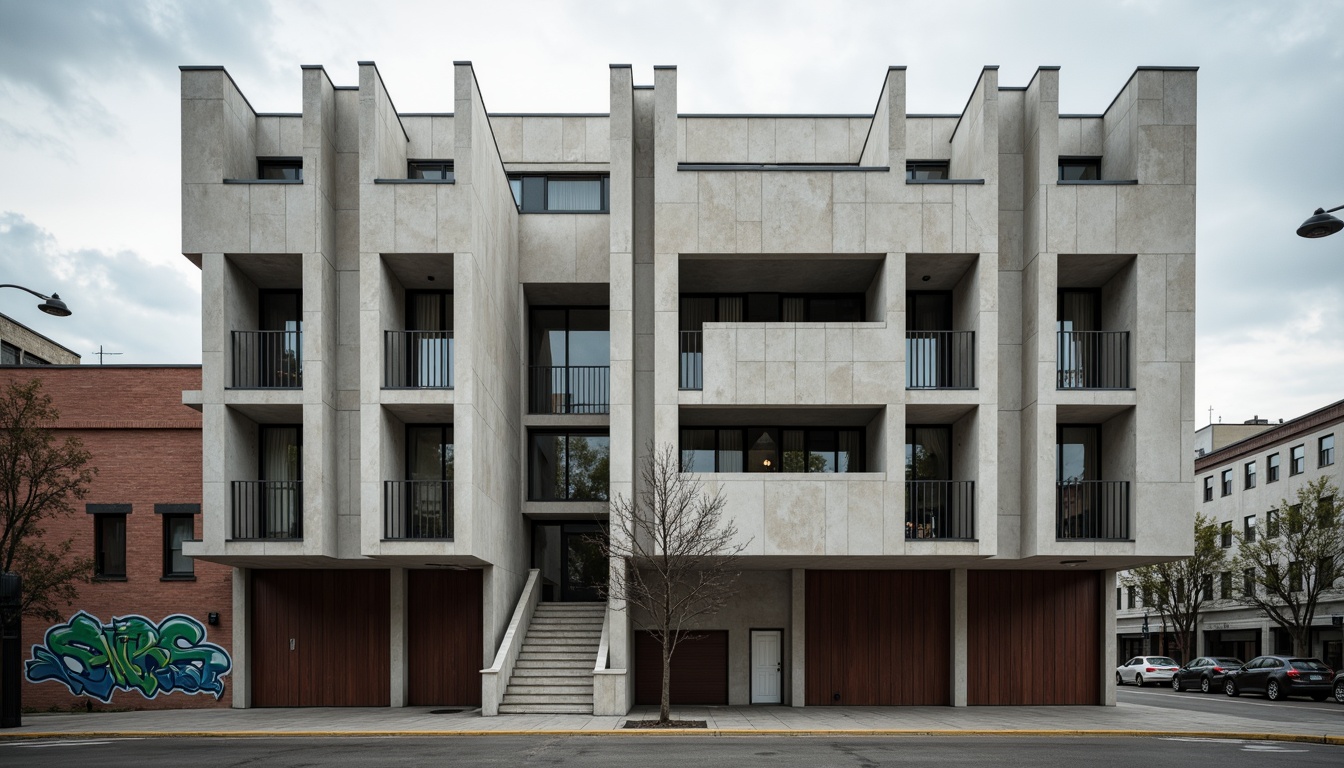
130	653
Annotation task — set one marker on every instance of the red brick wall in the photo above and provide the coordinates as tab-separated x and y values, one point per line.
147	448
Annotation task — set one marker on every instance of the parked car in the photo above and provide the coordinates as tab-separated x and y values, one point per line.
1278	677
1205	673
1141	670
1339	688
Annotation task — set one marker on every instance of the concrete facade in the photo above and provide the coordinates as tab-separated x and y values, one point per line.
32	348
702	204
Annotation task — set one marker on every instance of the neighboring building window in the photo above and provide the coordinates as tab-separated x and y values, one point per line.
1131	597
1295	576
1272	468
1325	511
30	359
1250	475
1297	460
1295	519
430	170
280	168
1226	534
1225	585
1227	482
1326	455
177	529
1325	572
1208	488
1206	586
569	466
109	546
1272	523
1248	581
1118	605
1248	528
926	170
10	354
561	194
1147	597
1079	168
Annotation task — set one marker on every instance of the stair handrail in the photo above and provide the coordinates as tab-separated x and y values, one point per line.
495	679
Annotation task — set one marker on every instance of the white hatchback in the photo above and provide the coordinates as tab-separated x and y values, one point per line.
1146	669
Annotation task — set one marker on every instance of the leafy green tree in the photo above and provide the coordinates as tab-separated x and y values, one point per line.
1296	560
1179	589
40	479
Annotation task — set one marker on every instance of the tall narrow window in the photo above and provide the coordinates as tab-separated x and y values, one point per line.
281	475
1249	475
1208	488
279	352
422	509
1225	534
1227	482
1248	527
1272	468
1297	460
428	353
1325	456
177	529
1225	585
570	351
109	543
1079	318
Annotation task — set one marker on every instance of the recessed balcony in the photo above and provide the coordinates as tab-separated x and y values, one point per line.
417	510
1092	510
569	389
267	359
940	510
267	510
940	359
1093	360
418	359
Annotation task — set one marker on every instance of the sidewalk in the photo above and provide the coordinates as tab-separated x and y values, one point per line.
1124	719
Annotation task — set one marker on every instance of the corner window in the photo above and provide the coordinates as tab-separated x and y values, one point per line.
430	170
109	546
1227	482
280	168
1249	475
926	170
569	466
1272	468
1208	488
1326	454
1297	460
561	194
177	529
1079	168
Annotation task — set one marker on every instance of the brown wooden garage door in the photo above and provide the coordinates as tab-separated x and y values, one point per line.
699	669
878	637
1033	637
337	622
444	639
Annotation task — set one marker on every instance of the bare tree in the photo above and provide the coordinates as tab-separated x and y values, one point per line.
673	554
1295	559
39	479
1180	588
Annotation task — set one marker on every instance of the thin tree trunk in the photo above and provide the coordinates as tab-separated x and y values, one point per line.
665	706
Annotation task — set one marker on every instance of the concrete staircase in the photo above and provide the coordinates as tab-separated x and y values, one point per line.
554	671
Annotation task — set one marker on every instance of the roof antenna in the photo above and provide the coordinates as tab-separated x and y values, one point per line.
100	353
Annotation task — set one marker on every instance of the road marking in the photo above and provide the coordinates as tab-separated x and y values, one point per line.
1263	747
1231	699
64	743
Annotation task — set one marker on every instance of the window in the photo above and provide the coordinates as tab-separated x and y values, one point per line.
9	354
1118	604
1225	531
1131	597
926	170
1297	460
1295	519
1227	482
1248	528
1325	455
569	466
1295	576
177	529
569	353
1272	468
1208	488
430	170
109	546
1147	597
280	168
1325	511
1272	523
561	194
1079	168
1249	473
1206	586
1225	585
771	449
1248	581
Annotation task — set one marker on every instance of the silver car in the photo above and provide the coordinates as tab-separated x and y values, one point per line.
1141	670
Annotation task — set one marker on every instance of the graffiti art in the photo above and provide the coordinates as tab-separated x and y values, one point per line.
130	653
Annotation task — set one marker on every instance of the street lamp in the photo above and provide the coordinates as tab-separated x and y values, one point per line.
1321	223
52	304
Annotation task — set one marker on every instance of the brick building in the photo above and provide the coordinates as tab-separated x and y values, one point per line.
143	503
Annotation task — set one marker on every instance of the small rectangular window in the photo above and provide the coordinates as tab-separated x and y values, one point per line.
9	354
561	194
430	170
926	170
1250	475
1297	460
1131	597
109	545
1272	468
1206	586
280	168
1272	523
1326	455
1079	168
1248	527
1225	534
1225	585
177	529
1227	482
1208	488
1248	581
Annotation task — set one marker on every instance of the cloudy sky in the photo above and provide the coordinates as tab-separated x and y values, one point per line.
89	130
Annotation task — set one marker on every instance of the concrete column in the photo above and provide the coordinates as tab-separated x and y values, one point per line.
1107	650
240	676
959	676
398	618
798	640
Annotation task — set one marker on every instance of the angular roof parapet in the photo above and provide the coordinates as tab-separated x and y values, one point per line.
620	66
218	68
388	94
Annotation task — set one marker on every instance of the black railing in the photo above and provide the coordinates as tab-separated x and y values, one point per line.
417	359
940	509
267	359
691	358
267	509
940	359
1092	510
417	509
1093	360
569	389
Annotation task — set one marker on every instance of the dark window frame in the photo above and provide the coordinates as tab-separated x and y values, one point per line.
1208	489
1325	454
1272	523
1248	527
533	434
1225	585
101	570
1097	429
1272	468
778	429
1131	597
1225	481
531	194
1297	459
285	163
933	170
444	167
1225	534
1248	475
1091	165
860	298
169	573
1248	581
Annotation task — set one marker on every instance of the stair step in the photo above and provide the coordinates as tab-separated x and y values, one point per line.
586	634
585	663
568	673
546	709
587	658
571	698
548	690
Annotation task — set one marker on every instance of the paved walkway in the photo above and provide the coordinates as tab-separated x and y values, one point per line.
1125	718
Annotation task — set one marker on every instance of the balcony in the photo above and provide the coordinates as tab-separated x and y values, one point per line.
691	357
1092	510
267	359
418	359
1093	360
940	359
569	389
940	510
267	509
417	509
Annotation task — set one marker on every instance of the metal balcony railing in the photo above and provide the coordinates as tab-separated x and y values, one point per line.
417	509
267	359
1095	510
940	509
418	359
691	359
940	359
267	509
569	389
1093	360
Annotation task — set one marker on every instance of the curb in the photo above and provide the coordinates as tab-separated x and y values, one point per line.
1300	738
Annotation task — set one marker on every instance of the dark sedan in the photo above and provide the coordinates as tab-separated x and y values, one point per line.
1205	673
1279	677
1339	688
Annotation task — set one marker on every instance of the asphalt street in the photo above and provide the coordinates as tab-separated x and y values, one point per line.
1304	712
690	751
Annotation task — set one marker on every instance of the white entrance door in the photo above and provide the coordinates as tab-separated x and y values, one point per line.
765	666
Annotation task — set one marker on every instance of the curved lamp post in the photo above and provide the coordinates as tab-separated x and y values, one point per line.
1321	223
53	305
